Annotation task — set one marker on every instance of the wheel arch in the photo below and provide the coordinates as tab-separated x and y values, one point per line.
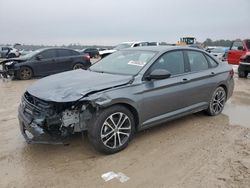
131	108
82	63
224	87
20	66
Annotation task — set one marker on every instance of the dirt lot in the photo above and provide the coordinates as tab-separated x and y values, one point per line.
195	151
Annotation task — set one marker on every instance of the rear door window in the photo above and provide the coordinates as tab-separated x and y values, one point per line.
197	61
64	53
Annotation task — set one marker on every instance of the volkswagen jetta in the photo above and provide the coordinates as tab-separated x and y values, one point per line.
128	91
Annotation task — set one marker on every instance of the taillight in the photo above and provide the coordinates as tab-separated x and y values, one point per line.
231	73
86	57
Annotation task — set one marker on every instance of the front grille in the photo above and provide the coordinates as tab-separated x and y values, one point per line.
36	107
36	103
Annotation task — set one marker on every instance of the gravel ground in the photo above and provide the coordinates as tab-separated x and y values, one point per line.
194	151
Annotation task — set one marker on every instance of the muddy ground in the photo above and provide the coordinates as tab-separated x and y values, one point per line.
194	151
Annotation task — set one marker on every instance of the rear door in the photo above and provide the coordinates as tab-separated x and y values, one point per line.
236	51
65	59
202	78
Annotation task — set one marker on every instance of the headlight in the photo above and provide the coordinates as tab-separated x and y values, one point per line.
9	63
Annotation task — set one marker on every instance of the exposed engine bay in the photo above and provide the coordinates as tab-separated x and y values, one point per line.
50	122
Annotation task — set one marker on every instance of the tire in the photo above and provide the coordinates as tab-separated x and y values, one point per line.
78	66
216	104
242	74
110	137
25	73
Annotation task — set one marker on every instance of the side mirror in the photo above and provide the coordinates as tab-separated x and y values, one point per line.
158	74
39	57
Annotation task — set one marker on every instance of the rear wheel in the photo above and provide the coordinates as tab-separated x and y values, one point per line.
112	129
78	66
24	73
217	102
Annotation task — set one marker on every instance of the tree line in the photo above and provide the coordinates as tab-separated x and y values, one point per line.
222	42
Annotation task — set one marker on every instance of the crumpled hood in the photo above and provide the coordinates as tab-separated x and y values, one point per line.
17	60
72	85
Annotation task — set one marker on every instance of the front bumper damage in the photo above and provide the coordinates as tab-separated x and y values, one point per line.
32	127
46	123
33	132
7	71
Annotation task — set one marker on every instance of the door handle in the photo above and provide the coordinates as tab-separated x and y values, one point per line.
213	73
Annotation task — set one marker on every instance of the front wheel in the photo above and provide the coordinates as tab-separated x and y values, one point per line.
24	73
112	129
217	102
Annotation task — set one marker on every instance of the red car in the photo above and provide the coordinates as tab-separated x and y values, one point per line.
237	50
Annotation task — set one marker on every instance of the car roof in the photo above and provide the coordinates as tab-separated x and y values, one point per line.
161	48
55	48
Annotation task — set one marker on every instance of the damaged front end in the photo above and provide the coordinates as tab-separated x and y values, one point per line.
52	122
8	68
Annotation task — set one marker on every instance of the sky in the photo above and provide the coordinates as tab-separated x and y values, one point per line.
109	22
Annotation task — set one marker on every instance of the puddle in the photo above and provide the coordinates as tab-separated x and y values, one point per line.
237	114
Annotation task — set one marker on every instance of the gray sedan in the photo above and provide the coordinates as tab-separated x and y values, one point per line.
128	91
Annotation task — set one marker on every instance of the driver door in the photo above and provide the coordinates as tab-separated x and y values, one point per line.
46	64
161	98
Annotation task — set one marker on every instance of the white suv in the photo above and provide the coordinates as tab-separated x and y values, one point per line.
126	45
9	52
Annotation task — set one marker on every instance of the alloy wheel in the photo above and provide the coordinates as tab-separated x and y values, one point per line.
219	101
116	130
25	73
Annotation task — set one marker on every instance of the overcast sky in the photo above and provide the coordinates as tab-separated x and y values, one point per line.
114	21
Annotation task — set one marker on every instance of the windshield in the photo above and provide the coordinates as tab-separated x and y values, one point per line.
122	46
31	54
123	62
218	50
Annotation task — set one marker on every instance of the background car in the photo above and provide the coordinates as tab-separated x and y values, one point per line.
92	52
209	48
219	52
9	52
130	90
124	45
45	62
237	50
244	66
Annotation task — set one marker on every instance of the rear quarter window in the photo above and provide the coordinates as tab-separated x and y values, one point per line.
211	61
